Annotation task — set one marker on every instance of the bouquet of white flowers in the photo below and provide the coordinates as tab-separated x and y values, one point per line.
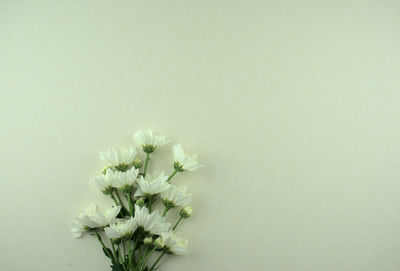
136	233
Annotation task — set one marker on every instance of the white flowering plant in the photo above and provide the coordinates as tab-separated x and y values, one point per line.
133	235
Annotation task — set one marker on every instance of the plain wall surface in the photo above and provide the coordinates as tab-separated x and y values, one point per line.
292	106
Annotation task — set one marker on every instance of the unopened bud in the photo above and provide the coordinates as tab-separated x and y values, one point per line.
186	212
137	163
148	241
159	243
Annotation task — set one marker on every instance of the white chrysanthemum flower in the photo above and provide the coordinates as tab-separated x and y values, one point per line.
176	196
121	228
96	219
152	223
149	186
175	244
78	228
106	182
125	180
149	141
183	161
120	159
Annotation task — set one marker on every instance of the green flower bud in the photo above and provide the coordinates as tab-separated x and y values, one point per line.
159	243
137	163
140	202
186	212
148	241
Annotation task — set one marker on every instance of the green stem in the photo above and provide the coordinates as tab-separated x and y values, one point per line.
147	258
115	253
119	200
133	251
128	245
136	244
146	164
177	223
142	258
123	249
133	260
106	250
115	200
120	255
121	204
156	262
165	211
130	204
150	198
172	175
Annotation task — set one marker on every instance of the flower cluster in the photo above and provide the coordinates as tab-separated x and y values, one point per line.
135	232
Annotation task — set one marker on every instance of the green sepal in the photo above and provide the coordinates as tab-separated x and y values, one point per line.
148	148
122	167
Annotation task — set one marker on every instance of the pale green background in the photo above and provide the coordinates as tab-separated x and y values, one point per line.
293	107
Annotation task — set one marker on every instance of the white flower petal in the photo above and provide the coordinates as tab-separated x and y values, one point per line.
115	157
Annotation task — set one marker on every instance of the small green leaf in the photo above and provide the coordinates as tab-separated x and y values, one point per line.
107	252
116	267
